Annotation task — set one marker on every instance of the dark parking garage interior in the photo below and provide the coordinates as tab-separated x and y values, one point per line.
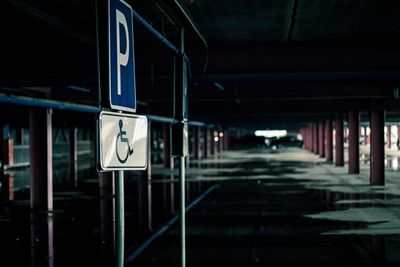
270	132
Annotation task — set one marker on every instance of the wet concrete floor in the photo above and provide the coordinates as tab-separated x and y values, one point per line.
260	207
287	207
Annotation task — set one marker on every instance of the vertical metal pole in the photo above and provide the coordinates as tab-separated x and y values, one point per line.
182	226
148	194
119	219
182	184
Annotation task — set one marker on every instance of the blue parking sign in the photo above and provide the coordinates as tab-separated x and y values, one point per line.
121	56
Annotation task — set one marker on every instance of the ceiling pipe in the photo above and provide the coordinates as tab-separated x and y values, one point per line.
184	20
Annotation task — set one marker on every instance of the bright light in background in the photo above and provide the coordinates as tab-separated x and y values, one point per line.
395	164
216	139
221	134
271	133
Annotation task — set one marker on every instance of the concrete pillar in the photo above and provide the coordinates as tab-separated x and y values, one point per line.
354	146
321	141
206	142
329	140
316	139
388	136
377	147
226	140
42	240
339	132
212	143
167	146
398	137
309	137
8	149
196	144
73	152
221	140
41	163
145	190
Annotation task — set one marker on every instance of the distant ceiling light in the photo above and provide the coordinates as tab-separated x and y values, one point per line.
221	134
271	133
219	86
216	139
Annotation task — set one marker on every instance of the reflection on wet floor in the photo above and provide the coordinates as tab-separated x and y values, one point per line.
283	207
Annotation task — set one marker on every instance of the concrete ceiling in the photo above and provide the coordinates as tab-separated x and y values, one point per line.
269	62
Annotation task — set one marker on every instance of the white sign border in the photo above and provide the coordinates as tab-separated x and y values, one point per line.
100	154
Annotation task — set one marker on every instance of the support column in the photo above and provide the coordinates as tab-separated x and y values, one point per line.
321	141
388	137
329	140
8	148
226	140
167	146
316	139
73	152
339	132
212	143
354	146
377	147
41	163
195	142
207	146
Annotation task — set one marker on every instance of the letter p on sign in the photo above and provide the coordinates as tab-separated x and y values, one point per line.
121	57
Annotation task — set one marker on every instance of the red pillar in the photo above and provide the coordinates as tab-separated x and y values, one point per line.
388	137
354	147
321	141
339	151
377	147
8	146
329	140
41	162
316	143
310	138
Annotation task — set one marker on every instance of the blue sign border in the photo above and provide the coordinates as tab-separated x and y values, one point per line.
117	107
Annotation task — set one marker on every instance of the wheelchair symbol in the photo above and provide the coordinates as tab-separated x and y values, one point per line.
121	138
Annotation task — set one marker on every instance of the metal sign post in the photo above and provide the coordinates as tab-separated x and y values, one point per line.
122	136
119	219
180	140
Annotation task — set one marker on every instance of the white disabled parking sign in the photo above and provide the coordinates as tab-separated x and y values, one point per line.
121	56
123	141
